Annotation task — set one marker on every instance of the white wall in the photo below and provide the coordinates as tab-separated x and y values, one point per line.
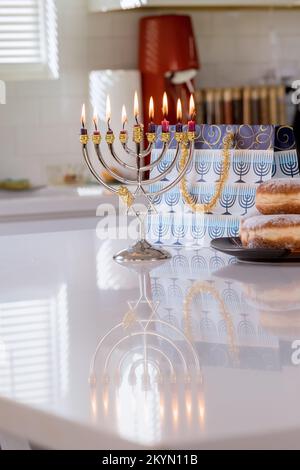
39	124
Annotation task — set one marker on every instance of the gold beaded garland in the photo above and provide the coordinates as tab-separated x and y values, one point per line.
206	288
228	139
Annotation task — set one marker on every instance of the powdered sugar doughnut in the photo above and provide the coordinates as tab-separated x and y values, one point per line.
271	231
279	196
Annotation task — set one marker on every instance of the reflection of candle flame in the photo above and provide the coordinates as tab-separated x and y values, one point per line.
161	407
192	107
136	106
108	110
124	116
201	409
94	402
165	105
95	119
188	404
83	116
175	411
105	400
151	109
118	407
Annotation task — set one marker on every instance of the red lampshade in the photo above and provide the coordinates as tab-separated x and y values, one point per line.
167	45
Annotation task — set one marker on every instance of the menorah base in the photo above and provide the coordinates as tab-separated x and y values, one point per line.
141	251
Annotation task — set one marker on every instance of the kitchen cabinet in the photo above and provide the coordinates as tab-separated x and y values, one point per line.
106	5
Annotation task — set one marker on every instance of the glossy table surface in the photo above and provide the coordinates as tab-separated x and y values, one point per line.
196	352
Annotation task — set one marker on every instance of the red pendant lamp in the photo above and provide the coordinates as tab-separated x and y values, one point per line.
168	61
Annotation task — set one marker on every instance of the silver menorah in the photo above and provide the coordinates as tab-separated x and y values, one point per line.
142	250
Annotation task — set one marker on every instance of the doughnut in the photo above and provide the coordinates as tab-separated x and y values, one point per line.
271	231
279	196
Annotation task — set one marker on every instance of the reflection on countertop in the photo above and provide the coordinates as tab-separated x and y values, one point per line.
196	349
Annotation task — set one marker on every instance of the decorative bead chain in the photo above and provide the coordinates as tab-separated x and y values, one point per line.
205	287
228	140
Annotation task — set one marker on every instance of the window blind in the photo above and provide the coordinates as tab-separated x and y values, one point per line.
28	39
22	32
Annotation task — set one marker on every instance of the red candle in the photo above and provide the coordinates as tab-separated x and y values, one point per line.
192	112
165	123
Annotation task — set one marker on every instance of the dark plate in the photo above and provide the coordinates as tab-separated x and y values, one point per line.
233	247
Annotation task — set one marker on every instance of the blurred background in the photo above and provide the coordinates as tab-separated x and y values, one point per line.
239	58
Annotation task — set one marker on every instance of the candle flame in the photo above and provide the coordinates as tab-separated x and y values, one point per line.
124	115
83	116
108	109
136	105
95	119
179	110
192	107
151	109
165	105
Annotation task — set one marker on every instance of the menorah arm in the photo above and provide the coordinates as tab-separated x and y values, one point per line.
114	175
119	161
157	161
180	174
134	168
94	173
147	151
165	173
129	151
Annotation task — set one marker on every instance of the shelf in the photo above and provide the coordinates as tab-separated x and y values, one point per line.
110	5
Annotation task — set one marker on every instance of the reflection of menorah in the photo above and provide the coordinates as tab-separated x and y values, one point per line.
145	370
142	250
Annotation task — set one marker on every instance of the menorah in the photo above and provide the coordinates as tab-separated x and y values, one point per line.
143	184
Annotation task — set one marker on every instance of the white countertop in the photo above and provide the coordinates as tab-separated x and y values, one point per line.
53	201
204	360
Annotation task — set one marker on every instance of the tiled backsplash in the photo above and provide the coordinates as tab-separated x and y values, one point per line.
39	124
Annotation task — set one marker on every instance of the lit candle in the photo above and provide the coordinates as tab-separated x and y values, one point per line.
83	130
108	113
192	112
179	116
151	126
95	120
124	117
123	132
136	108
165	124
